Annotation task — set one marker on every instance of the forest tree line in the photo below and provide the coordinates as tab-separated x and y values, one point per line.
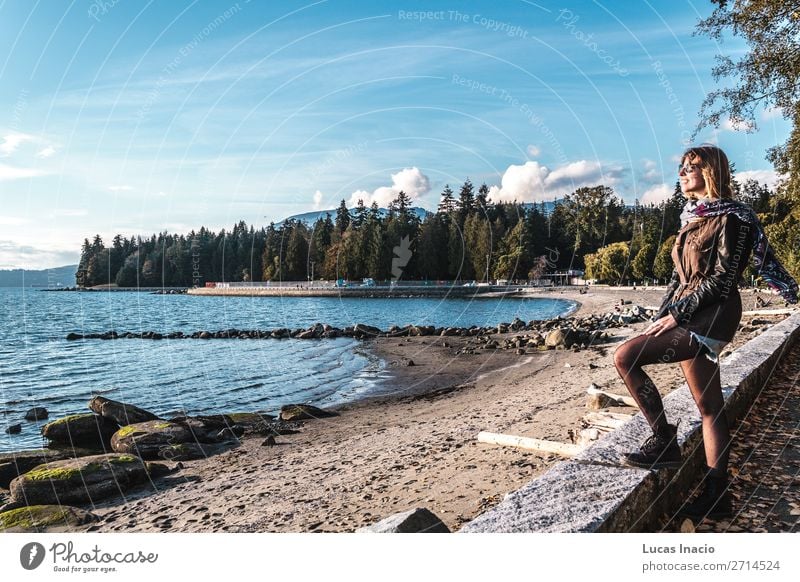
467	238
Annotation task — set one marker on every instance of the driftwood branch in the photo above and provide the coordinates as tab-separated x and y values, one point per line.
563	449
597	395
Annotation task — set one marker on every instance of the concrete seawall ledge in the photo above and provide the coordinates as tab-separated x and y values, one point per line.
595	493
398	291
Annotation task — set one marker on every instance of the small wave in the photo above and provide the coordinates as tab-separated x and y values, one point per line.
246	387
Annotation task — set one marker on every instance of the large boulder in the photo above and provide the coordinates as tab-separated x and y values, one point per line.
13	465
122	414
44	518
560	337
179	439
149	439
83	480
418	520
81	430
362	331
303	412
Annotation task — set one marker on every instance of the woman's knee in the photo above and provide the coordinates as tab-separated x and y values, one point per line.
624	358
710	406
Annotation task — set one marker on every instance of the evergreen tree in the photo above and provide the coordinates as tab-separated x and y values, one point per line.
466	201
662	264
482	199
359	215
447	205
342	218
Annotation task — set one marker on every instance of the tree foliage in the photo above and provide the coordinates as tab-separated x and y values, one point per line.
766	77
501	241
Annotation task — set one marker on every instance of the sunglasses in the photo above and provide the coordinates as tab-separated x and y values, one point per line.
687	169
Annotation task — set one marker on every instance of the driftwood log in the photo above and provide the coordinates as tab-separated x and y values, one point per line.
598	399
563	449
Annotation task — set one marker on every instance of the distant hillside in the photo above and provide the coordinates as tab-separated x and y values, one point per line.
548	206
311	217
55	277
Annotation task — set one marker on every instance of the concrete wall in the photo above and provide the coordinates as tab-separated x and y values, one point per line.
595	493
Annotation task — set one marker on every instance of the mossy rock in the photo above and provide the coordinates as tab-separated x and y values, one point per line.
303	412
157	470
83	480
146	439
119	412
15	464
81	430
249	419
44	518
185	452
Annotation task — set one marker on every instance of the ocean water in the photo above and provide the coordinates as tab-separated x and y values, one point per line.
38	367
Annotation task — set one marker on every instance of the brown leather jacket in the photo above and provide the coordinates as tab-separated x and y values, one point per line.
710	255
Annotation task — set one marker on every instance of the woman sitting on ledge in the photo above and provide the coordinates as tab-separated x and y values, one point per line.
700	313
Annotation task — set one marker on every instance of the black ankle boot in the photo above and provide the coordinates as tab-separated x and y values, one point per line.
660	451
713	502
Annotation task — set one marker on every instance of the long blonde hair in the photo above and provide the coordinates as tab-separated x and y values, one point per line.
715	168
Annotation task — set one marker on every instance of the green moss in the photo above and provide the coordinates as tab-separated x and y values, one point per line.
163	425
35	516
126	431
245	417
45	472
123	459
68	419
240	416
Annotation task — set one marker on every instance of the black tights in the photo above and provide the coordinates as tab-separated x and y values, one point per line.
702	376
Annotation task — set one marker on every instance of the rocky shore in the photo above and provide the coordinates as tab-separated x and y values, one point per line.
411	445
563	332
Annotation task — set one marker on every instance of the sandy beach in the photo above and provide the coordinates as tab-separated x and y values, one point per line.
413	446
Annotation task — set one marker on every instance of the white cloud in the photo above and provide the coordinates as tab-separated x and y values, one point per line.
650	174
522	183
534	151
533	182
120	188
12	221
740	125
46	152
14	255
771	113
768	177
12	141
12	173
69	212
656	194
317	200
410	180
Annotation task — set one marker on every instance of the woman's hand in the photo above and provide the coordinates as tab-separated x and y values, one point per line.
659	326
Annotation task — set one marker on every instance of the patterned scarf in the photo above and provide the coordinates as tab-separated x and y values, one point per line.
765	262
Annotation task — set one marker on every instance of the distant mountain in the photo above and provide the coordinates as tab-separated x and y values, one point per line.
55	277
548	206
311	217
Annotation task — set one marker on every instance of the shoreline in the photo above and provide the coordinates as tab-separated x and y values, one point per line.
399	448
412	444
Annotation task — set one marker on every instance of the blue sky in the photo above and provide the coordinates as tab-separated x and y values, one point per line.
133	117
